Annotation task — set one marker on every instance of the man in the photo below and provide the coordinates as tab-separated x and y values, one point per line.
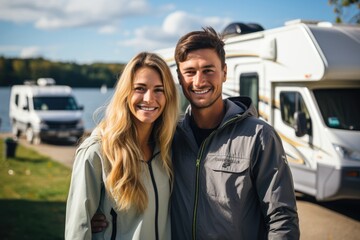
232	180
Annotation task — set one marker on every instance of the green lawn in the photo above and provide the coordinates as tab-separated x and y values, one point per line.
32	195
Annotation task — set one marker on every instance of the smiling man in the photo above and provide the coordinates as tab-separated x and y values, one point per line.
231	176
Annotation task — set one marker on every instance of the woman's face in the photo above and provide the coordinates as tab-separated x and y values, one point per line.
147	100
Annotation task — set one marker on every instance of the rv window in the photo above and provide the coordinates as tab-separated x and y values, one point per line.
339	107
249	86
55	103
291	102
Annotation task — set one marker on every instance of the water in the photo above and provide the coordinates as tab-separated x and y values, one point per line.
90	98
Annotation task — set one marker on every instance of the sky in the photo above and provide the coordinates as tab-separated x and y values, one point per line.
113	31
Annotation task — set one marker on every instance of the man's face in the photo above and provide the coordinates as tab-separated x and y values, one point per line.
201	78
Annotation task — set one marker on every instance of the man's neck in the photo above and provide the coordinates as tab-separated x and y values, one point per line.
208	118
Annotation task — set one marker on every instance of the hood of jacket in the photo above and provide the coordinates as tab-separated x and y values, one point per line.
240	107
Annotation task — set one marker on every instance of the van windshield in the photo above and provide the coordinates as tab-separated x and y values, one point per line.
54	103
340	107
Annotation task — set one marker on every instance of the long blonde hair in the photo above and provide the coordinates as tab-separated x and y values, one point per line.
120	139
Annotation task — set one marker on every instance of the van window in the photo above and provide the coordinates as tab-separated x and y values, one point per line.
17	100
27	105
249	86
291	102
339	107
55	103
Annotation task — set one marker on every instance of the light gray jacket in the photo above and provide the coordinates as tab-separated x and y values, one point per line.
88	176
236	185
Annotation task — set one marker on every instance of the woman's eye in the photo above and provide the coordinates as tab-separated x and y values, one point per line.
139	89
159	90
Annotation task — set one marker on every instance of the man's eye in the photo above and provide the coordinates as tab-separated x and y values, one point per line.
189	73
208	71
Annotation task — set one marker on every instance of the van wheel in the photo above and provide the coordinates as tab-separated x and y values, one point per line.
30	135
15	131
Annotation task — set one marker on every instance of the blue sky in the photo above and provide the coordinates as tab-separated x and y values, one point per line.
87	31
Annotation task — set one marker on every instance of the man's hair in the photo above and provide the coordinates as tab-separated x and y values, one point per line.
208	38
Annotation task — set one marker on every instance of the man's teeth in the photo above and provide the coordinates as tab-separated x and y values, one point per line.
201	91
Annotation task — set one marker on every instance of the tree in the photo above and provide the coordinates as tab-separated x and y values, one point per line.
347	11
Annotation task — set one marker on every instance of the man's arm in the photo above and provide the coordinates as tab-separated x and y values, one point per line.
98	223
275	188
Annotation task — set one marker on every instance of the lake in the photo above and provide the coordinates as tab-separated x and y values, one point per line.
90	98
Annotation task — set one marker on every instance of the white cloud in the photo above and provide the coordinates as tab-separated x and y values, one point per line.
174	26
30	52
52	14
182	22
108	29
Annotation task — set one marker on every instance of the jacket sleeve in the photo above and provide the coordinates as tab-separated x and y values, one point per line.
275	188
84	193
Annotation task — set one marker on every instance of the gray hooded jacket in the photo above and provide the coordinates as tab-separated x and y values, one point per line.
237	184
87	195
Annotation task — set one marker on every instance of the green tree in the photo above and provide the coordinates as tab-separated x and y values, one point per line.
16	70
347	11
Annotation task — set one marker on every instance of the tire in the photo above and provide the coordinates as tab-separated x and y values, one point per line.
15	130
31	137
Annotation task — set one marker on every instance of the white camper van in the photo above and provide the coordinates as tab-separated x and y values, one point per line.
45	111
304	79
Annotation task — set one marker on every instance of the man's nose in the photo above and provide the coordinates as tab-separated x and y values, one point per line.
198	79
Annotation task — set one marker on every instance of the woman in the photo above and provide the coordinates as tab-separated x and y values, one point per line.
124	168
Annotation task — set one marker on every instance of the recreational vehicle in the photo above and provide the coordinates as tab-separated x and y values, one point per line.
304	79
45	111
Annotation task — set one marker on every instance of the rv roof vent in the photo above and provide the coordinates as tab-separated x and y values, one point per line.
45	81
241	28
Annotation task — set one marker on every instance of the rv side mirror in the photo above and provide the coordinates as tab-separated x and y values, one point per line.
300	124
80	107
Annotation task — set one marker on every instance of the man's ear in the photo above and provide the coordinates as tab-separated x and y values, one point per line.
225	73
179	75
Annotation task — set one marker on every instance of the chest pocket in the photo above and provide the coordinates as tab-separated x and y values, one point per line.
226	177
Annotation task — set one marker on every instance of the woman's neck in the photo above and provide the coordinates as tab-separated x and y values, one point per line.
144	138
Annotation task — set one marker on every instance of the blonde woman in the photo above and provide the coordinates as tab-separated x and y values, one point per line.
124	169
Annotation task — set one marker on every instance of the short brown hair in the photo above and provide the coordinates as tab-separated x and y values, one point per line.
208	38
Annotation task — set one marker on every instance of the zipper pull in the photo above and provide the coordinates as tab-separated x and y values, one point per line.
197	162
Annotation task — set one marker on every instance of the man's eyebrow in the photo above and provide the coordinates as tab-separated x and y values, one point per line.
209	66
203	67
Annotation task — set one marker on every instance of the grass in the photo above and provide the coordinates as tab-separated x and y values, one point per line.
32	195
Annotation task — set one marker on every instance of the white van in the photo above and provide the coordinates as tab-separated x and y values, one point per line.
304	79
45	111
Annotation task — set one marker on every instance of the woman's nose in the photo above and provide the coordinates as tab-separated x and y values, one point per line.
148	96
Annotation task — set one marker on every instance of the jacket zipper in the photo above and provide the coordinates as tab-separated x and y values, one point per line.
203	145
114	224
156	200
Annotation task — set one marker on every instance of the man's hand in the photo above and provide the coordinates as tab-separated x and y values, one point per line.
98	223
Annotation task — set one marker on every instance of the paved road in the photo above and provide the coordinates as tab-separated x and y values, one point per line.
61	152
337	220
